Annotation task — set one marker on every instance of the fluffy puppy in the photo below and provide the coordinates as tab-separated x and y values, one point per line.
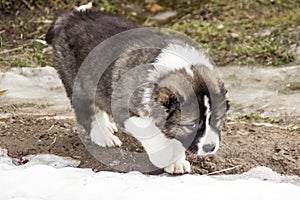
173	103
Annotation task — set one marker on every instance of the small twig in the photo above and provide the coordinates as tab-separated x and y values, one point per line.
224	170
40	115
11	50
2	91
34	33
43	42
13	106
295	139
50	127
147	20
266	124
46	21
2	31
53	141
28	5
288	68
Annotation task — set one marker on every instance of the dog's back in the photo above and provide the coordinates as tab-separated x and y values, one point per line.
73	35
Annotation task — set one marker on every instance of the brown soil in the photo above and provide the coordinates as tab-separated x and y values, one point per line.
245	145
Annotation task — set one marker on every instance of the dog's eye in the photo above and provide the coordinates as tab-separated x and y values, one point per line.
191	126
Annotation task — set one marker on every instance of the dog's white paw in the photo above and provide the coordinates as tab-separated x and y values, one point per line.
105	140
102	132
181	166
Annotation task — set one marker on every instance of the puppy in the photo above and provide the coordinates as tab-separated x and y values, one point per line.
167	95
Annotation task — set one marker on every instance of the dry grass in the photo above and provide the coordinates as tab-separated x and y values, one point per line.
234	32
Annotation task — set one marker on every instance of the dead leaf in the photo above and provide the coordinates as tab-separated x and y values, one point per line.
154	7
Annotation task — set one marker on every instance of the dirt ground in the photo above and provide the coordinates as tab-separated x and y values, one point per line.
245	145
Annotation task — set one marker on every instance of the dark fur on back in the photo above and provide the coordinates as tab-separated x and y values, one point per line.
73	35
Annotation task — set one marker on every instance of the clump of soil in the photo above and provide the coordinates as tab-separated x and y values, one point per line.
245	145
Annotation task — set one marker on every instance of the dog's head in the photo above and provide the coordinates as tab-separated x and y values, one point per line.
191	109
190	106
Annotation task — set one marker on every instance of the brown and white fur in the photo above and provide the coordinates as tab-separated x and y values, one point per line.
182	107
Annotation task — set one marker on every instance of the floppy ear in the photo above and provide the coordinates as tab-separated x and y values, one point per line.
167	98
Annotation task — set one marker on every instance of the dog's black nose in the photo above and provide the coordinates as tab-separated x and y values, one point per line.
209	148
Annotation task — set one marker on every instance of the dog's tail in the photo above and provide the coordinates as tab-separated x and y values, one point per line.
50	34
60	20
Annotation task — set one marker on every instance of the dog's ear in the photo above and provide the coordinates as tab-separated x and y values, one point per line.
167	98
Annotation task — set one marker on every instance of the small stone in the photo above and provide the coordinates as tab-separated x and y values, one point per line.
163	17
133	13
220	26
154	7
234	35
263	33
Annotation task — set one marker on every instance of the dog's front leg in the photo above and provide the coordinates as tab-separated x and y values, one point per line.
163	152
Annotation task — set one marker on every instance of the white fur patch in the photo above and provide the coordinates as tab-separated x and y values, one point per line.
210	136
84	7
103	129
207	112
175	57
162	151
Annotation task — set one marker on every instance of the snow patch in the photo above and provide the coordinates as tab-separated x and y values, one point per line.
31	87
39	181
8	163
